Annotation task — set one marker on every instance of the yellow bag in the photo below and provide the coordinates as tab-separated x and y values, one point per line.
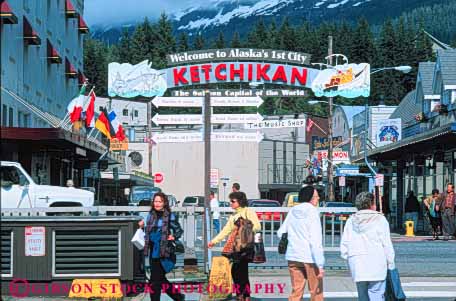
220	280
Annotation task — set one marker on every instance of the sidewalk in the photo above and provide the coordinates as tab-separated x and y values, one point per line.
267	286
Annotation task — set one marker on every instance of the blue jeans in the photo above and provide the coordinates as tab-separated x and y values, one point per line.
412	216
216	226
371	290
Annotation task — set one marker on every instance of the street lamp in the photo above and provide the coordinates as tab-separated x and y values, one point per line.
403	69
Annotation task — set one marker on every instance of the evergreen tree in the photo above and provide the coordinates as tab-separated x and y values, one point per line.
236	40
305	36
140	45
165	43
423	45
124	47
96	65
182	44
198	43
219	43
286	36
363	45
258	36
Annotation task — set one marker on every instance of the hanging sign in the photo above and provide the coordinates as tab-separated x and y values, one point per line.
35	241
379	179
277	124
341	181
215	136
388	131
160	119
253	101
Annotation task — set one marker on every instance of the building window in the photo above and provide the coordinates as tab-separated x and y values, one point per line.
100	108
125	112
136	112
10	117
453	96
4	115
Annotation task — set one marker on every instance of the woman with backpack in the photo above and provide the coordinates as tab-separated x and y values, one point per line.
162	230
240	260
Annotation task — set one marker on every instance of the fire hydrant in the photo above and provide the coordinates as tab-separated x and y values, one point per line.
409	229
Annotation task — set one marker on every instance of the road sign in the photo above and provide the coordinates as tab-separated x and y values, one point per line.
254	101
158	177
198	119
35	241
177	137
277	124
337	157
214	177
215	136
379	179
341	181
237	136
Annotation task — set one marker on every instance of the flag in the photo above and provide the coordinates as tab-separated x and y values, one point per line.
90	111
75	106
310	124
116	126
103	124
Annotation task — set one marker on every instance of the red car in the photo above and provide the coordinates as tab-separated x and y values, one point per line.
276	217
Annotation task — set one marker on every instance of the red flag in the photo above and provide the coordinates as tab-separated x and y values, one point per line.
90	111
310	124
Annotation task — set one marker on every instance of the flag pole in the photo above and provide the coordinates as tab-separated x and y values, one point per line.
67	115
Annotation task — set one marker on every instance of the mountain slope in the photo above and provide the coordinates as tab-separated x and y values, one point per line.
229	16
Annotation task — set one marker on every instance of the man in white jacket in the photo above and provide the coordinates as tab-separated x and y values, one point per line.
305	249
366	244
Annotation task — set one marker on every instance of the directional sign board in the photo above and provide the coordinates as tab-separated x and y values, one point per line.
215	101
215	136
198	119
277	124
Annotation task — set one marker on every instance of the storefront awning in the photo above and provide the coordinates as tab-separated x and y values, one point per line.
70	71
444	136
52	54
6	14
30	35
82	26
70	12
53	139
81	78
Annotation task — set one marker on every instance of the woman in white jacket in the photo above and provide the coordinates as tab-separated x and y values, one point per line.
305	249
366	244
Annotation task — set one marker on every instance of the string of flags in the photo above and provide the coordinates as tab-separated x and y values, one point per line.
106	122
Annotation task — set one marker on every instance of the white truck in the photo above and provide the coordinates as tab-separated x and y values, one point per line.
19	191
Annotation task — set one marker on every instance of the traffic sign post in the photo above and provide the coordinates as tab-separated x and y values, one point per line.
379	180
160	119
195	102
215	136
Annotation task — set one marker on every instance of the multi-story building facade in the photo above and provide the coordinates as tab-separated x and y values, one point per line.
42	58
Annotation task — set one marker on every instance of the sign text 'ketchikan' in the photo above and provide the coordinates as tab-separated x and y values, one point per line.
226	72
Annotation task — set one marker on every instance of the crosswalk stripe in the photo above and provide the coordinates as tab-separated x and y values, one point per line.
429	284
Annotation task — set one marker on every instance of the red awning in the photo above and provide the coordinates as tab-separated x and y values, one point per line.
70	71
82	26
6	14
30	35
70	12
52	54
81	78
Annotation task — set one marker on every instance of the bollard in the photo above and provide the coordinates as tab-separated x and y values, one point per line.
409	229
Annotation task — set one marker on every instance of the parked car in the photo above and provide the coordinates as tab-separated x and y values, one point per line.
173	202
291	199
338	217
275	217
142	195
197	201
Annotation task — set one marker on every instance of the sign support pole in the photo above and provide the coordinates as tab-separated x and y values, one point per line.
207	176
330	132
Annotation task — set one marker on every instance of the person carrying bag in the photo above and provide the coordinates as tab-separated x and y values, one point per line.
241	228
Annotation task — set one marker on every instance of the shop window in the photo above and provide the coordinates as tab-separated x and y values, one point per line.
125	112
4	115
10	117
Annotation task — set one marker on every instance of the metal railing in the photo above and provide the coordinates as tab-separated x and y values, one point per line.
191	219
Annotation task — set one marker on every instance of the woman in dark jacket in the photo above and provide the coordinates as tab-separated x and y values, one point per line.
162	229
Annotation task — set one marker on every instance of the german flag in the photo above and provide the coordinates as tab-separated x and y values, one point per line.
104	125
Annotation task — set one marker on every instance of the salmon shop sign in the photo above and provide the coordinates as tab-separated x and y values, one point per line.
278	67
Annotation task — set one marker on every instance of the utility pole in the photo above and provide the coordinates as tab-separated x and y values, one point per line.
330	131
149	134
207	169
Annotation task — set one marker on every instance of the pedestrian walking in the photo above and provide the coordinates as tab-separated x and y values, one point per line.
412	209
240	262
215	214
366	244
305	248
162	229
432	204
236	187
447	210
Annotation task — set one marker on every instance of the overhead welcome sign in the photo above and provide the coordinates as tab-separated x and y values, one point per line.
257	66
